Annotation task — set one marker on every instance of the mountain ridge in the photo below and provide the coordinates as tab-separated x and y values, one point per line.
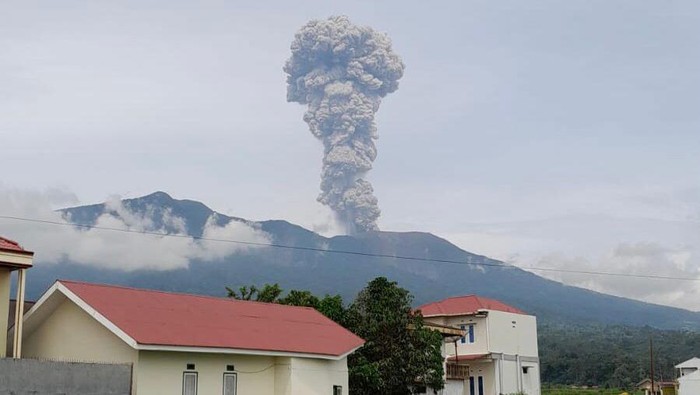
327	272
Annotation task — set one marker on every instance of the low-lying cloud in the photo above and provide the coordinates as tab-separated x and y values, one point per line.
115	249
600	243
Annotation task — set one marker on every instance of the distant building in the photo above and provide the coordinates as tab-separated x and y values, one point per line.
660	387
187	344
689	377
498	353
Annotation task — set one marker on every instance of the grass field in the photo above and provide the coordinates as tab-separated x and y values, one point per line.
585	391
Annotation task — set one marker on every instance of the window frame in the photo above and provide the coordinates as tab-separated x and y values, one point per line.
196	381
223	382
337	388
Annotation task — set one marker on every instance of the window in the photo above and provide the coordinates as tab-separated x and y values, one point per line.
481	385
469	335
230	383
189	383
337	390
471	386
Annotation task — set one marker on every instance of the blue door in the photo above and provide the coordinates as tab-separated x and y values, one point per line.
481	385
471	386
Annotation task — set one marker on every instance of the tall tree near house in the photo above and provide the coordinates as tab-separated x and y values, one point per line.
400	355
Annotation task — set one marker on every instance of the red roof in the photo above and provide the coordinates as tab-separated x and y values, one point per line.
465	305
181	320
10	245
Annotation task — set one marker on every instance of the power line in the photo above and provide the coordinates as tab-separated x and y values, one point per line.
356	253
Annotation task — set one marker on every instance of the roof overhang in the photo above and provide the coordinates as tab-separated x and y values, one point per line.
689	364
240	351
469	358
14	260
478	313
445	330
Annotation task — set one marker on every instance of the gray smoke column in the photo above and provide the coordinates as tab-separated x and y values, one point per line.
342	72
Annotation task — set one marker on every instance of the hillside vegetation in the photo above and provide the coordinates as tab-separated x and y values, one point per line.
611	356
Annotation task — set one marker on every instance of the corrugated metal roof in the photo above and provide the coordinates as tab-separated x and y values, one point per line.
171	319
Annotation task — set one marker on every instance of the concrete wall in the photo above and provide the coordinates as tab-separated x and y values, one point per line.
689	384
72	334
283	376
318	376
28	376
514	334
161	372
4	308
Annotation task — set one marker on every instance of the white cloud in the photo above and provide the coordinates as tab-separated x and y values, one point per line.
600	243
114	249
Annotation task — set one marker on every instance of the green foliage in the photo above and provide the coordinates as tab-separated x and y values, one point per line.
300	298
610	356
568	390
400	354
270	293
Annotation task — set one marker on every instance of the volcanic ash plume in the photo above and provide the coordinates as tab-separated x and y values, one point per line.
342	72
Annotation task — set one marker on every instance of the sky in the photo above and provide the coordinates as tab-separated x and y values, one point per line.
548	134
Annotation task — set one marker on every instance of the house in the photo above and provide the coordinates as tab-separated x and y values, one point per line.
660	387
13	258
189	344
498	353
689	377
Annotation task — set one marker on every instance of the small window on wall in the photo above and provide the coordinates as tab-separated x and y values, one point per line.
337	390
189	383
230	383
471	334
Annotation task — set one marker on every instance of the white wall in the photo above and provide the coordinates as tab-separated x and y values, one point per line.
485	370
71	334
161	372
514	334
283	376
689	385
317	376
480	345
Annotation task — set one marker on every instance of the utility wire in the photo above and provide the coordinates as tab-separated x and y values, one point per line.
344	252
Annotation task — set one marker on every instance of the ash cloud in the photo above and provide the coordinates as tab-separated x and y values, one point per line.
342	71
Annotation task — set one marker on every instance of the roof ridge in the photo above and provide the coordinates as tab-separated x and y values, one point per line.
219	298
9	241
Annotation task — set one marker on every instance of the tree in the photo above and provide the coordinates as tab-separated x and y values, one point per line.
400	355
269	293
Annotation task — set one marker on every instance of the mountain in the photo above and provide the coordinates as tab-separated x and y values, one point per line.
314	268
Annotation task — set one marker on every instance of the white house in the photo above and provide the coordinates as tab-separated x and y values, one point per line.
689	377
188	344
498	354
